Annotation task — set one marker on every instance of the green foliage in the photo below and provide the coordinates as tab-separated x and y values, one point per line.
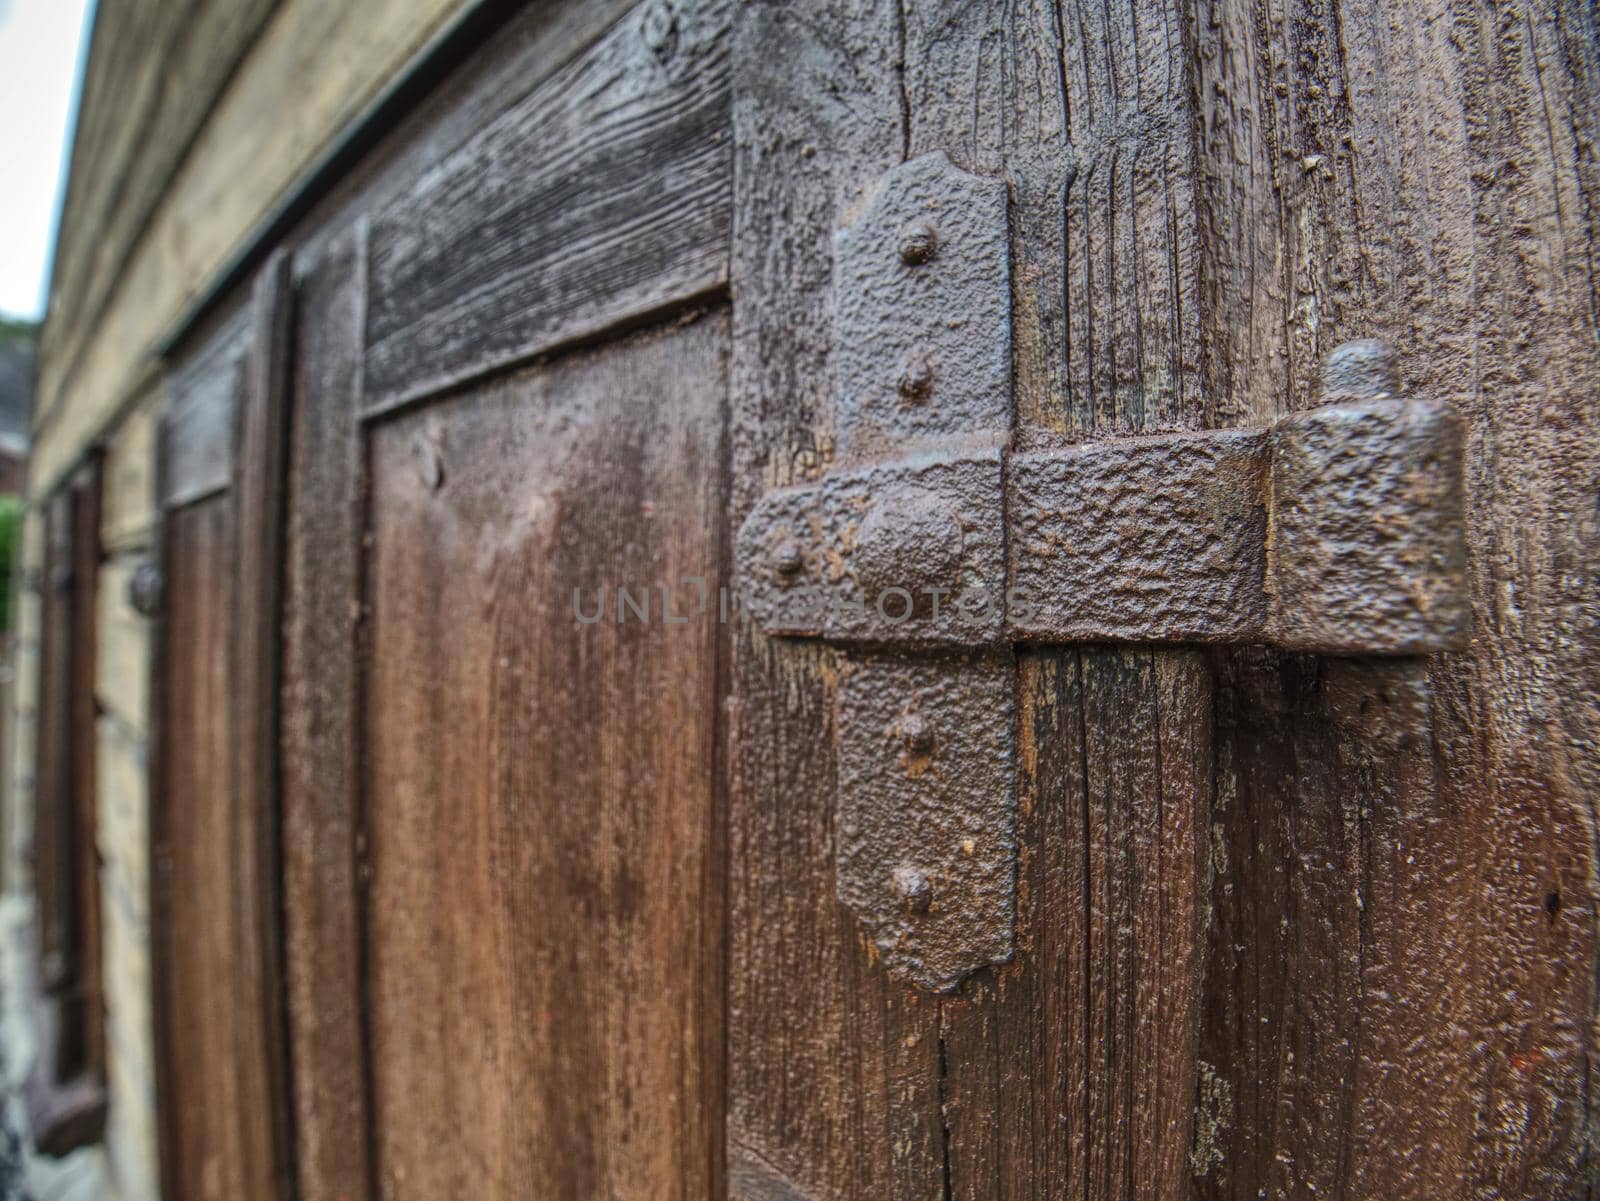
10	529
15	329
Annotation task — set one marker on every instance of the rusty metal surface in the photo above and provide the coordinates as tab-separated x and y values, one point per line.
1335	530
895	552
1368	550
926	817
922	293
1156	539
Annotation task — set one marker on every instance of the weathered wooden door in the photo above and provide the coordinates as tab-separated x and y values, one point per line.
1253	861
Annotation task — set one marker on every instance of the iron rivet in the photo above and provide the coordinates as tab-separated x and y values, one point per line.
917	732
916	377
787	560
919	242
916	891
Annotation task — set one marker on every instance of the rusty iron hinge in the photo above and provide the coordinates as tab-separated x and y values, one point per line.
932	549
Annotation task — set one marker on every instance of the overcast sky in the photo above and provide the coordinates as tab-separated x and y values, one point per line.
39	55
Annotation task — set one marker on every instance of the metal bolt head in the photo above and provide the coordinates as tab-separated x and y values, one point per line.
915	382
917	732
788	559
913	887
144	590
919	242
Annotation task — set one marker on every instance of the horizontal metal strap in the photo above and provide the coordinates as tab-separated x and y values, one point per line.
1338	529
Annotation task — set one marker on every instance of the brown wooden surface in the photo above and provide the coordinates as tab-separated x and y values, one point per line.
625	210
53	774
1070	1070
1392	849
321	745
82	1049
259	494
544	916
1400	995
65	1088
221	1044
1286	926
200	1100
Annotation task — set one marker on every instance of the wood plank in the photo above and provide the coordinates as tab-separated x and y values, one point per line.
544	918
321	738
835	1085
1415	839
201	413
602	195
261	465
52	816
192	856
1071	1071
82	1047
64	1091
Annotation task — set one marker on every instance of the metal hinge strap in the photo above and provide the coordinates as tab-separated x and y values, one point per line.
1338	529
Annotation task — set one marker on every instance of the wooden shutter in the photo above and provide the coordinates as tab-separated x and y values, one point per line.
66	1088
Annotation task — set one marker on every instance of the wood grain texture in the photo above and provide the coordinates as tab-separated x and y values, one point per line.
321	742
53	773
221	1051
1087	106
602	194
199	419
1426	174
260	467
197	1011
82	1049
544	917
1070	1071
64	1090
834	1069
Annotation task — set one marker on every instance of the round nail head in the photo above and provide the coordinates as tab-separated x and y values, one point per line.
788	559
914	888
915	382
917	731
919	242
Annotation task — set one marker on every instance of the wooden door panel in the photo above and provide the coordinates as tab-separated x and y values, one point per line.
601	194
221	1047
544	917
204	1156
